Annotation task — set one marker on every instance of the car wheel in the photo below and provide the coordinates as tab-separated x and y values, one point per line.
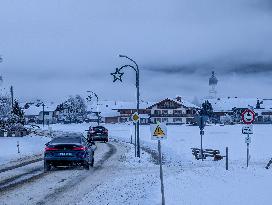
92	163
47	166
86	166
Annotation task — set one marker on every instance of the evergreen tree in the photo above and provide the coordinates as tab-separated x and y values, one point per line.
5	107
17	113
207	109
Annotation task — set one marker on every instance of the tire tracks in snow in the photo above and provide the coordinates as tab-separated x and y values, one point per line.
22	164
66	187
18	180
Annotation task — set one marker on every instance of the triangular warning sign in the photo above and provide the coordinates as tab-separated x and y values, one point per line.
158	132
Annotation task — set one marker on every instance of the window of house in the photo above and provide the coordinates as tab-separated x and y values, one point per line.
157	120
165	119
157	112
177	120
165	112
177	112
188	112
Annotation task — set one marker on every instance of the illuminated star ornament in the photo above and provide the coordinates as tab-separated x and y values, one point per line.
117	75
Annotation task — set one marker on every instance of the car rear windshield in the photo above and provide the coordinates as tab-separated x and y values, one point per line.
99	128
64	140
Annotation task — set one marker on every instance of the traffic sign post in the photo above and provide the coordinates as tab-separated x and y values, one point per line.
201	121
248	117
135	118
159	132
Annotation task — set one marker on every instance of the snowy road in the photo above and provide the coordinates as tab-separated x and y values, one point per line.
115	168
29	184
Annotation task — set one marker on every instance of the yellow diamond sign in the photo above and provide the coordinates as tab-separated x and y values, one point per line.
135	117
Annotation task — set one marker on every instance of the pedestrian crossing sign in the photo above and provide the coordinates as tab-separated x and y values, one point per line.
158	132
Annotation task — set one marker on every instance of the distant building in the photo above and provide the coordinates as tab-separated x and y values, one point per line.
212	86
225	107
34	113
127	109
173	111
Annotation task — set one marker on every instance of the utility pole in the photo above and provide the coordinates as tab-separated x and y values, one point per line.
43	113
12	96
97	105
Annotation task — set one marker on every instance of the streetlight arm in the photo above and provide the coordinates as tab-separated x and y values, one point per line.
124	56
125	66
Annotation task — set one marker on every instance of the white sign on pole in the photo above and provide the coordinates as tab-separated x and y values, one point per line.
248	129
248	139
158	131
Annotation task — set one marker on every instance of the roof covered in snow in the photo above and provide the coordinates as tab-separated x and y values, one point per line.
116	105
180	101
226	104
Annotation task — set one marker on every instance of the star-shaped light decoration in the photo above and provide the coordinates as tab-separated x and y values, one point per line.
117	75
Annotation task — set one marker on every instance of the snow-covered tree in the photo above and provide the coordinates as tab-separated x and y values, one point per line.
207	109
5	107
72	110
17	113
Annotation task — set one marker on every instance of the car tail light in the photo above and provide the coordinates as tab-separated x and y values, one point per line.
80	148
50	149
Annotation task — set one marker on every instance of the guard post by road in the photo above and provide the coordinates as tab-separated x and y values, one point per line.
248	117
159	132
135	118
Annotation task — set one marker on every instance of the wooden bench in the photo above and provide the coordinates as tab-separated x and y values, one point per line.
207	153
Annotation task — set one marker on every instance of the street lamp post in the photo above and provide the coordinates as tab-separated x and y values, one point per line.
118	76
43	113
97	110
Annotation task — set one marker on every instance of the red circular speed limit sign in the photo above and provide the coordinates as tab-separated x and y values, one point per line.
248	116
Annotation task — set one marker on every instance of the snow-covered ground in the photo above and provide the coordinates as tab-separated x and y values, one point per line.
206	182
29	146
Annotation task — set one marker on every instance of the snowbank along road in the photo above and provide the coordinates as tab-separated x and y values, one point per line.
115	168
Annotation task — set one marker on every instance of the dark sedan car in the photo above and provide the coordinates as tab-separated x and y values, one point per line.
68	151
98	133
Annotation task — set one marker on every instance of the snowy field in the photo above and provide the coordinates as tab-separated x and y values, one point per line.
29	146
206	182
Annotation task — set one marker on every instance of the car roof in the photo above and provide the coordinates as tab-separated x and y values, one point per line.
67	140
99	127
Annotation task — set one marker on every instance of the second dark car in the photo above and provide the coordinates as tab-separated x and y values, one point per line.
98	133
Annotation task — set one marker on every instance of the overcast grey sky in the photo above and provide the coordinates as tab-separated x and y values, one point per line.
54	48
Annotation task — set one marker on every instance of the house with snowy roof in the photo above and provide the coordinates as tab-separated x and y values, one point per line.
35	113
105	111
173	111
127	109
230	106
263	111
